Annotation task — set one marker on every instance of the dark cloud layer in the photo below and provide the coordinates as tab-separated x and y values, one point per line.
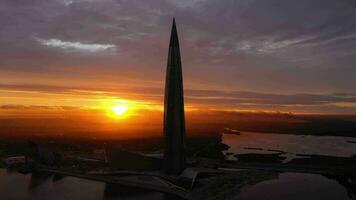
269	47
337	102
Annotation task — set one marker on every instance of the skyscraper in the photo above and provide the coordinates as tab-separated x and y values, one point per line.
174	122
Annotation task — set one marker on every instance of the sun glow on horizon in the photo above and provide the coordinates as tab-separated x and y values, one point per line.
120	110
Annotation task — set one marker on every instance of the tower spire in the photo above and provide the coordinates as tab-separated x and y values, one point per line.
174	122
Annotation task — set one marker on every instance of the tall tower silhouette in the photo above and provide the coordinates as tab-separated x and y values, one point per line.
174	122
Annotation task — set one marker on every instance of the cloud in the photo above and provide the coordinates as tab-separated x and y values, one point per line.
244	46
269	99
70	2
186	3
76	46
236	44
213	98
271	44
351	37
29	107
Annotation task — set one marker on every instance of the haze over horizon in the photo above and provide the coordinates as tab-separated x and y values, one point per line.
249	55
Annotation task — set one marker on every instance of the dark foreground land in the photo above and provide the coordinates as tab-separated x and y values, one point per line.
203	152
87	153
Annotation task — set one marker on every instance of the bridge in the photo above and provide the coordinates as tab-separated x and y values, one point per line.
159	182
147	181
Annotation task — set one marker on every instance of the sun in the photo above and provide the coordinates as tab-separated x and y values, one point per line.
119	110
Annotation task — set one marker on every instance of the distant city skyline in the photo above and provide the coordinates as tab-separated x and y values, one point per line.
249	55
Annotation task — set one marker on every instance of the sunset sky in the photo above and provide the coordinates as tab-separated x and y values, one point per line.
275	55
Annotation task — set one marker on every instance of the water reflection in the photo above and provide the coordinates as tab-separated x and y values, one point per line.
296	186
348	182
288	146
55	187
37	179
114	191
288	186
57	177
